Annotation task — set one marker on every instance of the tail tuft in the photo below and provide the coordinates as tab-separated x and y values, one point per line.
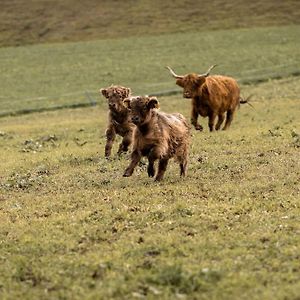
247	100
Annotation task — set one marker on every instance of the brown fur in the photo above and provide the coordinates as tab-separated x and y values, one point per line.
158	136
212	96
119	121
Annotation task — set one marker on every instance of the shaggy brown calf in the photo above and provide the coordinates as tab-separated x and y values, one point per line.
157	135
212	96
119	121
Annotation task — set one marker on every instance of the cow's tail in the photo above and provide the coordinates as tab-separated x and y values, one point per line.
247	100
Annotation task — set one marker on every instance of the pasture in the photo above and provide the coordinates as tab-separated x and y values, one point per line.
44	76
71	227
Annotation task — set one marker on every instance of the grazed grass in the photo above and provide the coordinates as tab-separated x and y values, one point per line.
72	227
51	75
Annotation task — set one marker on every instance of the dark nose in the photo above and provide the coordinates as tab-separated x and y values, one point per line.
112	105
135	119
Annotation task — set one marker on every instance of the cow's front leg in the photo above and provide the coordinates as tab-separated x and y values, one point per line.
152	157
151	169
127	139
110	137
194	119
162	166
135	158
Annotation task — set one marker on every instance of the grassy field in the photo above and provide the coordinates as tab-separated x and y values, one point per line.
73	228
62	74
30	22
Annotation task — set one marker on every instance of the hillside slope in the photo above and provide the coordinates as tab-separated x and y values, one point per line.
28	22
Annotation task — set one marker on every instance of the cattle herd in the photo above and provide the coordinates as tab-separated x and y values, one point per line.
161	136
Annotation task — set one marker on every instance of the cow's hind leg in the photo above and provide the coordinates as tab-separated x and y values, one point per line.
162	166
221	118
229	118
183	165
211	120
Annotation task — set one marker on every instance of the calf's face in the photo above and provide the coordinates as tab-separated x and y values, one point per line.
115	97
190	84
140	108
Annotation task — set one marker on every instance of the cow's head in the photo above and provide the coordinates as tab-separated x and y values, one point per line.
190	82
140	108
115	95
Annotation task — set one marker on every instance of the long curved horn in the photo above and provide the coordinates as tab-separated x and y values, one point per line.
174	74
207	73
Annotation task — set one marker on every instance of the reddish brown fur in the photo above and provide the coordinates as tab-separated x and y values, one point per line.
158	136
212	96
119	121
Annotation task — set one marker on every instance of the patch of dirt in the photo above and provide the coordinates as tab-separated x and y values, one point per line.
40	143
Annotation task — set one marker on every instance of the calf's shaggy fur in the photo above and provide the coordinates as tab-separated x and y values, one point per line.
119	121
212	97
158	136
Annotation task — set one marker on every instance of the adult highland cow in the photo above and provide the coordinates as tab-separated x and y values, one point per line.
212	96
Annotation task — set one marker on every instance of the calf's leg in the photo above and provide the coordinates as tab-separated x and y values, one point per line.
152	157
183	165
110	137
135	158
127	139
151	169
162	166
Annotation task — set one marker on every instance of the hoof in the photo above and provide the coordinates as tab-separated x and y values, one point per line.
199	127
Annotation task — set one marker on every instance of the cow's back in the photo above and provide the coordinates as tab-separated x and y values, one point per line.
174	123
177	131
223	92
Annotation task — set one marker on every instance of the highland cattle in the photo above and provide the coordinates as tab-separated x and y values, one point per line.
119	121
158	136
212	96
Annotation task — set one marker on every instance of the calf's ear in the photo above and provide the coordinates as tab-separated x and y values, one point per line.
127	92
126	103
153	103
104	92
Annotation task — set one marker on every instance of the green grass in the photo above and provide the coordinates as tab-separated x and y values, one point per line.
73	228
30	22
60	74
